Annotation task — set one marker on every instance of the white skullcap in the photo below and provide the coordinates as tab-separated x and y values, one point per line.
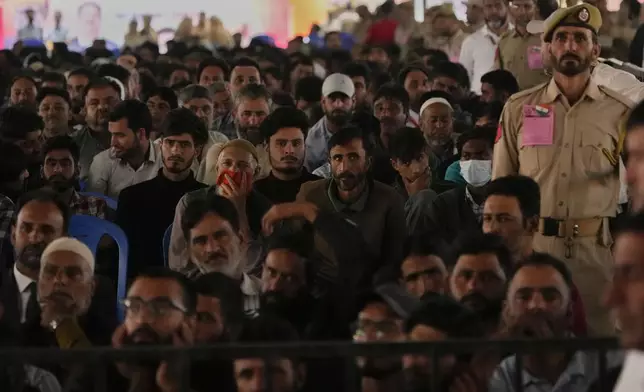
118	83
73	245
432	101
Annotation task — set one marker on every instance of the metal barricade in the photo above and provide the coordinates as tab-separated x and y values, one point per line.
347	351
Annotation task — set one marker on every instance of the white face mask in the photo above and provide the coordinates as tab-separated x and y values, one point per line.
476	172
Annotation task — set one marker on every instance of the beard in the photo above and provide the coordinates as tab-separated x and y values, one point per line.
349	181
60	183
379	368
125	153
569	64
176	164
292	309
488	310
534	323
146	336
339	117
293	167
30	255
228	264
252	134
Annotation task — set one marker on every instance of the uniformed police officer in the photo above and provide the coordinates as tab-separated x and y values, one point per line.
519	51
565	135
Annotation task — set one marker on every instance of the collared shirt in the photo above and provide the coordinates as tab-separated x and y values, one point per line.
565	168
7	210
317	140
226	125
110	175
477	55
250	286
516	54
340	206
89	147
477	209
23	282
582	370
58	34
88	205
621	81
631	378
30	32
323	171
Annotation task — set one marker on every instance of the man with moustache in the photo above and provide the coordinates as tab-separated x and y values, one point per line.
54	106
519	51
145	210
41	217
251	107
479	274
338	101
60	172
375	207
101	97
540	136
132	158
284	132
159	310
478	49
538	306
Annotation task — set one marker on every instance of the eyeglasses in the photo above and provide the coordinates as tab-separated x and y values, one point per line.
157	307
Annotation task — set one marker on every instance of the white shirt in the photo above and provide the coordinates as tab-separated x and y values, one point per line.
632	378
109	175
58	34
23	283
477	55
30	32
615	79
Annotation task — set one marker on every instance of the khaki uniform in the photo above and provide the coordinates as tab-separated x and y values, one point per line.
521	55
578	177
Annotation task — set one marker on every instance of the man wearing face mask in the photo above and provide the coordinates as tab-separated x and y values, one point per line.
540	136
461	209
477	52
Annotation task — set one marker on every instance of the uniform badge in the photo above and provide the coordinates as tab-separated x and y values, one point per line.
583	15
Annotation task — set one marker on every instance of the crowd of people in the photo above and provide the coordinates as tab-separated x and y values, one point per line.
269	195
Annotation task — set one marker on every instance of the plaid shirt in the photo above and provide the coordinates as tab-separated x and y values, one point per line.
476	208
7	210
226	125
88	205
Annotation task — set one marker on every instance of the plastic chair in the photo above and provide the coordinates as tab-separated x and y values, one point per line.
82	185
89	230
110	202
166	245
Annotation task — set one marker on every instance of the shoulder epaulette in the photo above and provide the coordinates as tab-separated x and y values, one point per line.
617	96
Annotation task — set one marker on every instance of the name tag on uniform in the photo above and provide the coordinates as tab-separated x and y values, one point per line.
538	125
535	61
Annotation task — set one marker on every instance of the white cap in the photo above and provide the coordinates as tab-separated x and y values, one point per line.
338	83
70	244
432	101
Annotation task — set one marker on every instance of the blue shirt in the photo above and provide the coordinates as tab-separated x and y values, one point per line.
317	140
582	371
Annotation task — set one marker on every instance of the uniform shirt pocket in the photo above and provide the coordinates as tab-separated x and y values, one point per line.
596	144
534	159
